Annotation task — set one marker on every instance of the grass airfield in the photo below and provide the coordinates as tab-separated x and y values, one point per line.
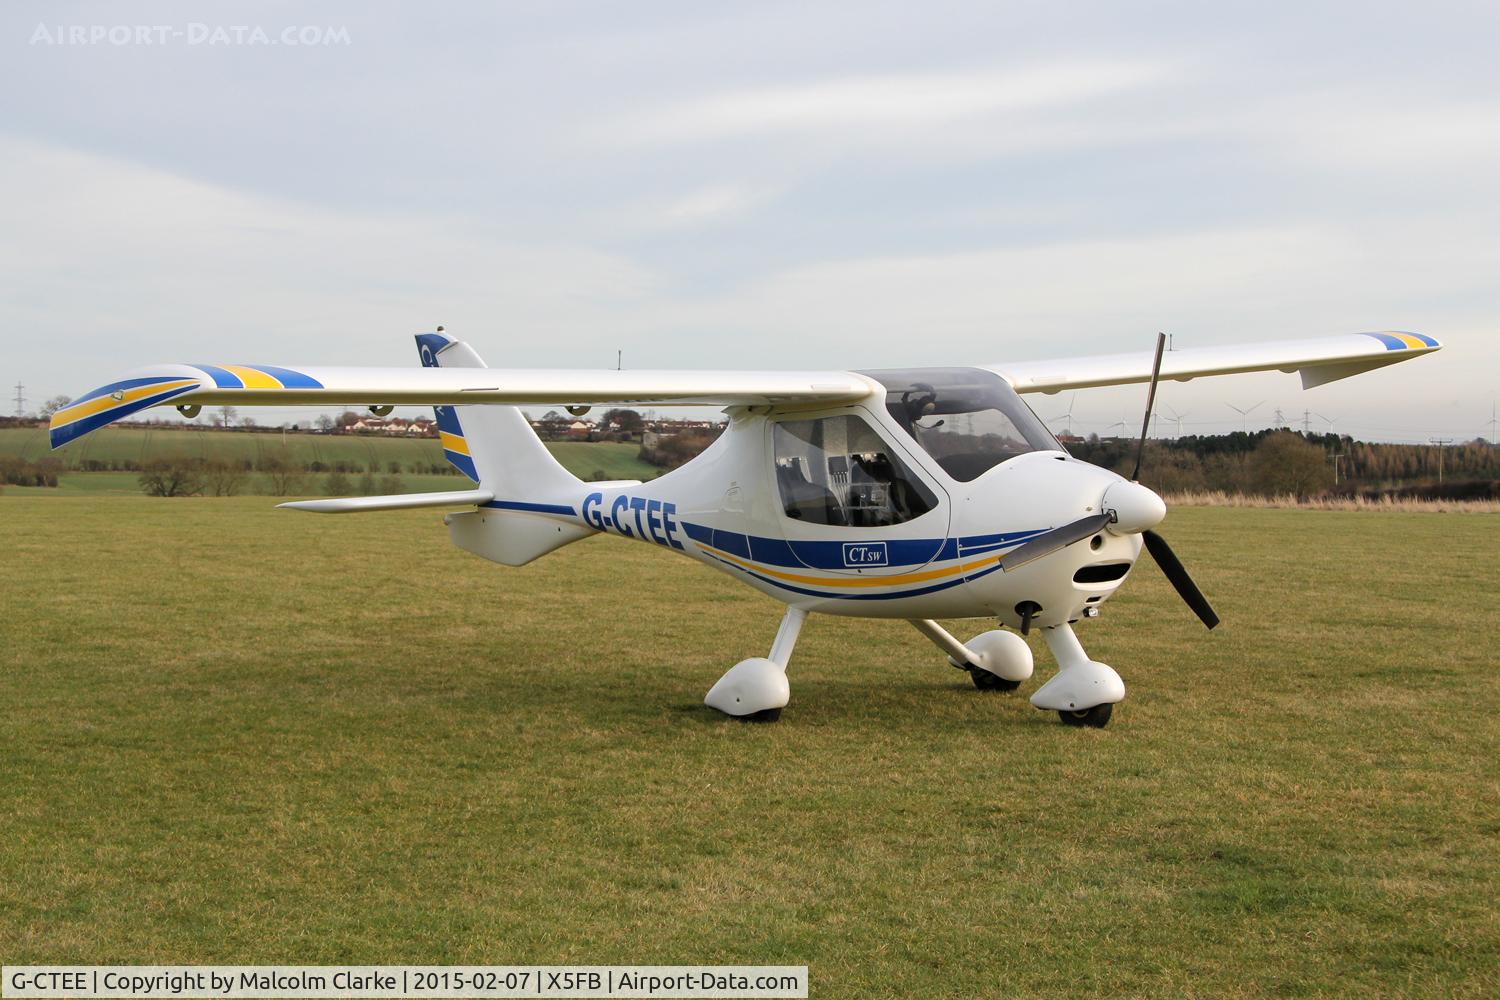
236	735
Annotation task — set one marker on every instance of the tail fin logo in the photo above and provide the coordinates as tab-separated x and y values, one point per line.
429	346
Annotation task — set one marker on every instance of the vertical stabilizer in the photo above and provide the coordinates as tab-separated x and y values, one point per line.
494	445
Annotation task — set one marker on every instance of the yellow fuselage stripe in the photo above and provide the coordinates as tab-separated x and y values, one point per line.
100	404
856	581
452	442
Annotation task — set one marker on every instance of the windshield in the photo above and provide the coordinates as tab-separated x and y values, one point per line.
969	420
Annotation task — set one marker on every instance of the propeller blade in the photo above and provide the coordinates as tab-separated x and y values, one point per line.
1050	541
1140	451
1177	575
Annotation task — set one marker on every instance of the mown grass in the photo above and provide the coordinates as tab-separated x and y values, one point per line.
239	735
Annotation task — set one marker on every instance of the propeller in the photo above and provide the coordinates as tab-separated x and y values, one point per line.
1058	538
1177	576
1171	566
1076	531
1140	450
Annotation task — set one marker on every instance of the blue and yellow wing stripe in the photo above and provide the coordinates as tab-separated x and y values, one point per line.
118	400
1396	341
113	402
257	377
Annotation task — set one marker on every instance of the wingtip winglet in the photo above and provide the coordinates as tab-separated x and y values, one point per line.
115	401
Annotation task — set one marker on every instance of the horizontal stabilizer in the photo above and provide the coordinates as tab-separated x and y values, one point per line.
400	501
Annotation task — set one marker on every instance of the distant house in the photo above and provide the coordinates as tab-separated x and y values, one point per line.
395	426
580	429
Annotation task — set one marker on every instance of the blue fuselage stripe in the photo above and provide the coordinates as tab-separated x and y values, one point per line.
534	508
830	554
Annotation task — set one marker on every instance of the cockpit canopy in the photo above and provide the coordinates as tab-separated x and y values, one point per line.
968	419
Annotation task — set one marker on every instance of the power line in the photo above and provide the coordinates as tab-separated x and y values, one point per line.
1440	442
20	400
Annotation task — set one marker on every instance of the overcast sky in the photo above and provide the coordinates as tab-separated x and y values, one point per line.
768	184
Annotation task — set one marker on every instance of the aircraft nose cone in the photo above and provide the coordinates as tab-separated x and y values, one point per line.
1136	508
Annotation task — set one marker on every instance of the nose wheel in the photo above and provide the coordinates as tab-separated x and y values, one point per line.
986	681
1084	691
1094	718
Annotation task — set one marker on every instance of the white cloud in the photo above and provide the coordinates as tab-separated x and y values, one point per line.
888	102
1352	132
109	265
119	264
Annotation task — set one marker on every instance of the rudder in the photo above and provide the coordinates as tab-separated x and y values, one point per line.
491	444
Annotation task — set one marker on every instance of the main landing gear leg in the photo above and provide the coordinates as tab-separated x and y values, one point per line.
997	661
756	689
1084	691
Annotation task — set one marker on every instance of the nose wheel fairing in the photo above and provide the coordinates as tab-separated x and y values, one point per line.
1080	683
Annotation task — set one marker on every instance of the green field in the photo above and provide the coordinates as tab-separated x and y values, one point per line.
415	456
237	735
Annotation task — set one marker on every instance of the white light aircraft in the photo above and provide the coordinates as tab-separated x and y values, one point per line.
917	494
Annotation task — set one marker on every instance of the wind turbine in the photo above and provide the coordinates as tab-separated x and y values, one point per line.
1245	414
1328	420
1068	416
1175	416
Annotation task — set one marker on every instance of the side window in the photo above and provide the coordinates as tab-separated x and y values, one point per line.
839	471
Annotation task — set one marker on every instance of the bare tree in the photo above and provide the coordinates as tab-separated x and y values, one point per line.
172	477
284	476
227	415
54	404
223	478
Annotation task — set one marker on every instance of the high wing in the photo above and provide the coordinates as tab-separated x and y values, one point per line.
1319	361
1323	360
268	385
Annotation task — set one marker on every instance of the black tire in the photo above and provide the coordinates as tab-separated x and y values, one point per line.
764	715
1094	718
986	681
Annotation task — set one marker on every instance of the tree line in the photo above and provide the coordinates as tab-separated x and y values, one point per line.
183	476
1282	462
